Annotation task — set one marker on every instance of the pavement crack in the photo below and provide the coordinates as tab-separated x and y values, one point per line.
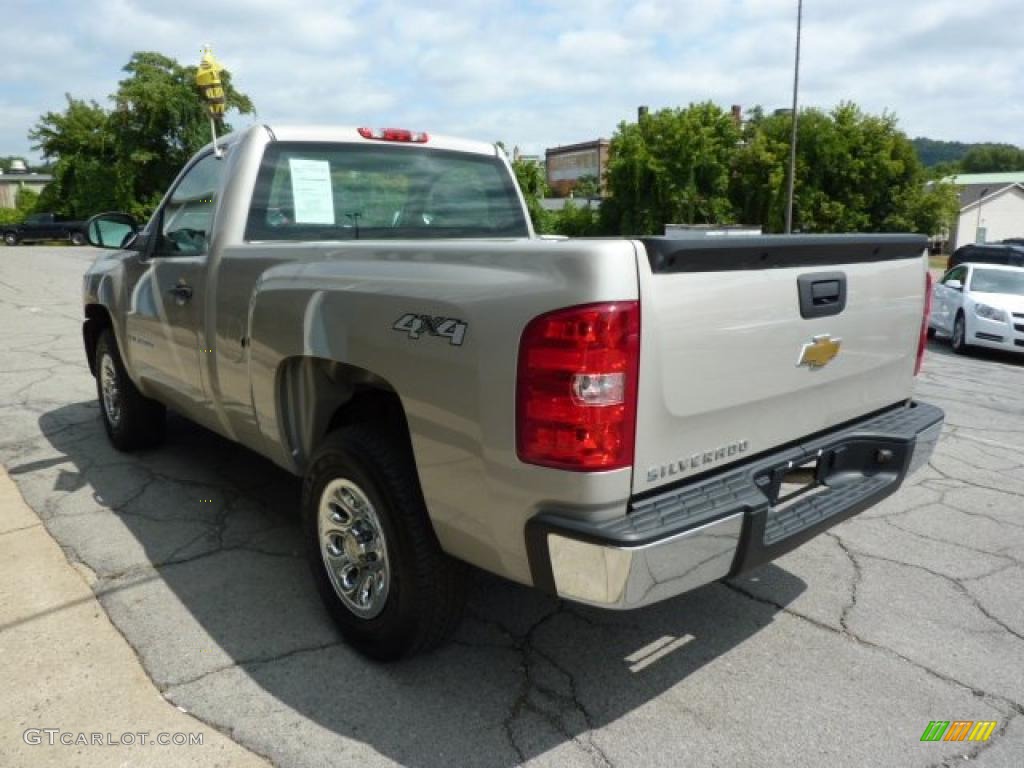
949	679
531	684
858	574
255	661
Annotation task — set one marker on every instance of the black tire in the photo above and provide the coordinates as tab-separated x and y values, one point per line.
10	238
139	421
959	338
77	238
930	332
426	591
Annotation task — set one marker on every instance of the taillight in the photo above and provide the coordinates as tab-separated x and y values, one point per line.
394	134
576	387
922	342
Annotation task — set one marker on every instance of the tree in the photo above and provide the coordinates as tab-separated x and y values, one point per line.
534	185
587	186
125	158
673	166
855	173
26	202
576	221
993	158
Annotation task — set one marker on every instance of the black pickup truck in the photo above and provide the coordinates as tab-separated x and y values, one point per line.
45	226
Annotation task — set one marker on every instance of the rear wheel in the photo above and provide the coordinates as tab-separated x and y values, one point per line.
376	561
959	340
131	419
77	238
10	238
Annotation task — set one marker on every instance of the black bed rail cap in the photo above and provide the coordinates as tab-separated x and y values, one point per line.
725	254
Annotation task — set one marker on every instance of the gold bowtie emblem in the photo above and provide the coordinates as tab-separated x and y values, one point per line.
819	352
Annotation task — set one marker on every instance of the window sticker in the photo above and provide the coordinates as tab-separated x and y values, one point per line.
312	191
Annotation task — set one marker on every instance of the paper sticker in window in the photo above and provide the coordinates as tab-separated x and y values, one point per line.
311	191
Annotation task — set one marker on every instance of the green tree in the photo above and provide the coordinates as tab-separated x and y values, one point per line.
576	221
26	202
673	166
534	185
993	158
125	158
587	186
855	173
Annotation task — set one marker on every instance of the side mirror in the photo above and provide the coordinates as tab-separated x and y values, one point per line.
111	230
956	285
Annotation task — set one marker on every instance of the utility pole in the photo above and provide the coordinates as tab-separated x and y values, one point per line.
792	141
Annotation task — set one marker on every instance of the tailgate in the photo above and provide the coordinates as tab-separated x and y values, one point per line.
724	330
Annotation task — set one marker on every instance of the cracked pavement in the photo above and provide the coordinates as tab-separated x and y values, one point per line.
839	653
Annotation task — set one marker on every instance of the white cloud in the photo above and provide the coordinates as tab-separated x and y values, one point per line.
538	72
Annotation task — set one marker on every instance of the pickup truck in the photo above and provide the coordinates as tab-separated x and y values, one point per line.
45	226
614	421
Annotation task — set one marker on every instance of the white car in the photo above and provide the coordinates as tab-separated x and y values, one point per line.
980	305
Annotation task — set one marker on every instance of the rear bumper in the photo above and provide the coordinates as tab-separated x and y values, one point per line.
722	525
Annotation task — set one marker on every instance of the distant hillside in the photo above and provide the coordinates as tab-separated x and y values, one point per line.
933	152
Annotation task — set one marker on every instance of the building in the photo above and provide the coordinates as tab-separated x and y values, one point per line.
567	165
991	208
12	183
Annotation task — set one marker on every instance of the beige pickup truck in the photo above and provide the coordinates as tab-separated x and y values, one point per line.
614	421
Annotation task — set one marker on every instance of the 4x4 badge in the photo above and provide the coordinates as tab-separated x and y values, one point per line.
446	327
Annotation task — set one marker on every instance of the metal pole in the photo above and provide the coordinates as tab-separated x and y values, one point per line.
213	132
792	141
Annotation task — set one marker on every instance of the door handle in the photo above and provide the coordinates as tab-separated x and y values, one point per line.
181	292
821	294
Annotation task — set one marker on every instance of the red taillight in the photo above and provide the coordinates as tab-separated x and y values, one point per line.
576	387
394	134
922	342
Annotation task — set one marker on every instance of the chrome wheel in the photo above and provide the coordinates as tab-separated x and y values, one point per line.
111	394
353	548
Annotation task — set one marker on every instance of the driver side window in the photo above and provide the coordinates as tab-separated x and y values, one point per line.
957	273
188	214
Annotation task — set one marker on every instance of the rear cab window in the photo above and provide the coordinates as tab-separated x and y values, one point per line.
315	191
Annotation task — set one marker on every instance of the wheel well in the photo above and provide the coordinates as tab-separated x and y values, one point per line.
96	319
319	396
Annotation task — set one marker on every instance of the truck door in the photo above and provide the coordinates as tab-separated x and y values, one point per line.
165	308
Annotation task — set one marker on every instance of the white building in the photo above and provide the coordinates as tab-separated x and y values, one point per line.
991	208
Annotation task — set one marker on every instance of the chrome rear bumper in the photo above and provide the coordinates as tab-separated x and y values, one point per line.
706	530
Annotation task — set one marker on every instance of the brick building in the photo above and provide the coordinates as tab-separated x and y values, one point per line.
566	165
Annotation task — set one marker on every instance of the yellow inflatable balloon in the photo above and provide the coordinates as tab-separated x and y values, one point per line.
208	80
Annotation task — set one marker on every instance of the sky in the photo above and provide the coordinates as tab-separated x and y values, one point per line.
534	74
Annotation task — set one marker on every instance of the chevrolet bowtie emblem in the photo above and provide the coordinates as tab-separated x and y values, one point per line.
819	352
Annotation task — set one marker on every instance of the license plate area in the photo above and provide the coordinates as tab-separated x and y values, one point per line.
794	481
833	466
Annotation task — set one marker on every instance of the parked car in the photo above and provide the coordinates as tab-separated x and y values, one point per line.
980	305
613	421
1007	253
45	226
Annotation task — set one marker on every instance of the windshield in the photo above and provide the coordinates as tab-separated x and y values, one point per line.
314	191
997	281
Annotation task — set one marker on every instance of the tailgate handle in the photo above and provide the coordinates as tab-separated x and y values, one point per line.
821	294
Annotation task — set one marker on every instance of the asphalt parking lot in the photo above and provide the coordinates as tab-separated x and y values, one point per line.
838	654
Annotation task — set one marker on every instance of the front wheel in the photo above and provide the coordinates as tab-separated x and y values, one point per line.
131	419
77	238
959	341
10	238
376	561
